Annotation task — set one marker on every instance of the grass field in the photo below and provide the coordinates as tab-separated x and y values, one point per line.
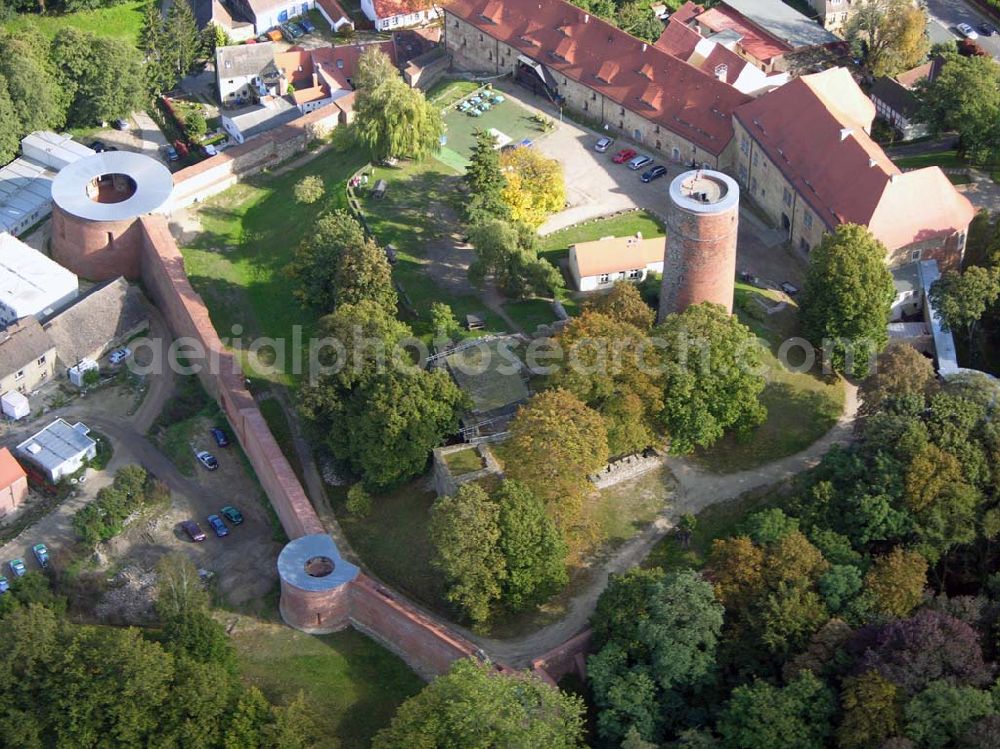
463	461
509	117
530	313
555	246
949	159
250	233
352	684
118	21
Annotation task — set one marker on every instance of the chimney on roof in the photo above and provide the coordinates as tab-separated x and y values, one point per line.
845	132
872	163
721	71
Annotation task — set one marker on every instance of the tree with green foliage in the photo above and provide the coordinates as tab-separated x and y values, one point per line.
470	706
937	717
872	711
154	44
900	371
485	181
393	120
711	377
896	582
465	532
839	585
337	264
443	321
625	304
965	97
182	42
102	78
639	20
214	36
533	550
558	442
847	297
890	34
33	87
649	666
10	125
359	501
796	716
961	299
610	366
506	252
309	189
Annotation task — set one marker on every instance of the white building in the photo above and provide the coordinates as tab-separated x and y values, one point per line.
31	285
59	450
245	73
397	14
600	264
26	182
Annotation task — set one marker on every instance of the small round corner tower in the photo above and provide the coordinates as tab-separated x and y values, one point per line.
699	264
314	584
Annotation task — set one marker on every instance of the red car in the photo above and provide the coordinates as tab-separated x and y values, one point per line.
624	155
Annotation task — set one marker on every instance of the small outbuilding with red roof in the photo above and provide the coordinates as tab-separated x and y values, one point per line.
398	14
13	483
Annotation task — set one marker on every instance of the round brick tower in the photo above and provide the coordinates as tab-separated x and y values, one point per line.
699	264
95	204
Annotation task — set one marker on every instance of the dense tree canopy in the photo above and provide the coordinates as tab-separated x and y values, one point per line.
890	34
505	252
624	303
470	706
534	185
965	97
847	297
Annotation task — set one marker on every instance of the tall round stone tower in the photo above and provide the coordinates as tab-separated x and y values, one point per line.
699	264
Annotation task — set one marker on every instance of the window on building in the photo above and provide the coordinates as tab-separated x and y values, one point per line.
586	106
659	147
593	96
787	196
19	375
745	144
916	255
621	125
604	278
743	174
621	110
41	360
756	158
635	274
480	37
753	186
657	130
490	56
804	245
807	219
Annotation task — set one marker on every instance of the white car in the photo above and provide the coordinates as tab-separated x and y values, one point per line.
967	31
119	355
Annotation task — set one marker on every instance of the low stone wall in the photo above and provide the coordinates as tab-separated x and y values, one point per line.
446	483
624	469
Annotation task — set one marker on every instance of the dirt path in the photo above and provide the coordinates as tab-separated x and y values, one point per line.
696	489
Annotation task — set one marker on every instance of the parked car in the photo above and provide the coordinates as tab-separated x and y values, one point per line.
654	173
233	515
220	437
603	144
119	355
172	154
307	25
17	567
638	162
967	31
987	29
121	125
218	526
4	585
210	150
41	555
98	146
207	459
624	155
789	288
194	531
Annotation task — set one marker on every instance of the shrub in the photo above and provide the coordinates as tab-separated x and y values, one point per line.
309	189
359	502
104	518
194	124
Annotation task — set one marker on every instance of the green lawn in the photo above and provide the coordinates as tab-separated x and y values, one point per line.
801	407
530	313
508	117
556	245
352	684
447	93
250	233
117	21
463	461
949	159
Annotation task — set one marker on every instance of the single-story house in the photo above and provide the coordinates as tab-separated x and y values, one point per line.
600	264
27	356
106	317
59	450
393	14
31	283
898	106
13	483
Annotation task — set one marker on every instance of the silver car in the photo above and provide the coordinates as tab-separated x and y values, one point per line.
603	144
638	162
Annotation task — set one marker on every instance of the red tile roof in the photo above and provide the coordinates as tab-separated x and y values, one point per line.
682	41
333	9
687	13
756	42
391	8
678	39
582	47
841	172
10	469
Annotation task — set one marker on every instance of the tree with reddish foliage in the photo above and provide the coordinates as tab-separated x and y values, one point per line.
969	48
928	646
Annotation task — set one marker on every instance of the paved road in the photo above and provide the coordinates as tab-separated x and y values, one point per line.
948	13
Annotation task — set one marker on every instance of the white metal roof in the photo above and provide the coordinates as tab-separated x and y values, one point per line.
56	444
153	181
54	150
29	279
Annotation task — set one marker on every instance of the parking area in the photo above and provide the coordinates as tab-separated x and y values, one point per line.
143	136
596	186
